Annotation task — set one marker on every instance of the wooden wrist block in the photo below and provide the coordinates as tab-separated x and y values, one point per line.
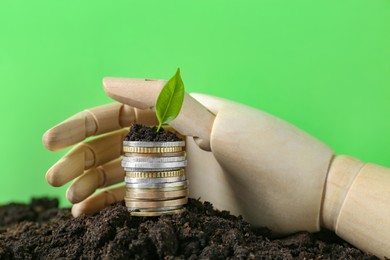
357	204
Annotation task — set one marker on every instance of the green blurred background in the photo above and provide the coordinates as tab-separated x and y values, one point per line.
321	65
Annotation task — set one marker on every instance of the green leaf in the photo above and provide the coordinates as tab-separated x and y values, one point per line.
170	100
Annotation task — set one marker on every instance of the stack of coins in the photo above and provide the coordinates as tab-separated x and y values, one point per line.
155	179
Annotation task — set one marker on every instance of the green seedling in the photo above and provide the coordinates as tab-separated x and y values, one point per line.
170	100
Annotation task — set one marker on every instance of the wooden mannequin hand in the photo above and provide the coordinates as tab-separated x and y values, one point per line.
254	159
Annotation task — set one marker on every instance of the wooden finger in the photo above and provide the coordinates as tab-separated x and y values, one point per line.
193	120
85	156
99	201
95	178
94	121
212	103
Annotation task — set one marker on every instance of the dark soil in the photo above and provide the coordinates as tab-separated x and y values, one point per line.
42	231
145	133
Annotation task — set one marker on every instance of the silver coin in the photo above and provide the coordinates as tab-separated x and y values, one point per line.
157	185
162	165
154	180
156	209
153	159
128	169
153	144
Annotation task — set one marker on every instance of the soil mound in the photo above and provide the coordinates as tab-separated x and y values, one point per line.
40	230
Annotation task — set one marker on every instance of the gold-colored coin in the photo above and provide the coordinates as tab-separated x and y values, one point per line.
156	213
182	153
157	189
167	174
136	195
144	204
129	149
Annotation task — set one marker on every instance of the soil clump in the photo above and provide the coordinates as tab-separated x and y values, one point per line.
140	132
40	230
